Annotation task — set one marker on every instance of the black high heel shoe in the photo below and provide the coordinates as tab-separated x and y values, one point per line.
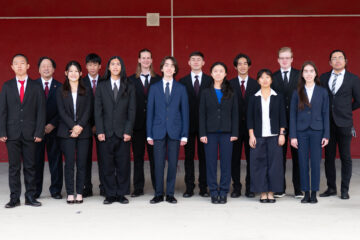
79	201
70	201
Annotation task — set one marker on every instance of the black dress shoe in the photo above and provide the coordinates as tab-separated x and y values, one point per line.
122	199
137	193
108	200
56	196
204	193
235	194
223	199
249	194
299	194
32	202
87	193
188	194
215	199
36	195
313	198
329	192
13	203
271	200
345	195
263	200
157	199
171	199
306	198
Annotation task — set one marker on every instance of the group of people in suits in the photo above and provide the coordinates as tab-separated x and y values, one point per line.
207	115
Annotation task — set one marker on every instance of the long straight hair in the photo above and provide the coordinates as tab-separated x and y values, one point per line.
123	78
66	88
226	89
138	66
303	99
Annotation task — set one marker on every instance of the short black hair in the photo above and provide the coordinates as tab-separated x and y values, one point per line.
262	71
50	59
335	51
241	55
173	61
93	57
197	53
19	55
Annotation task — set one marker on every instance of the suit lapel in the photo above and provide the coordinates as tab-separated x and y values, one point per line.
214	96
109	89
53	88
121	91
345	81
28	88
15	90
173	90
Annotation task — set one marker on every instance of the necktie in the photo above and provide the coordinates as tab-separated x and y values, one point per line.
22	90
46	89
94	86
242	88
334	83
196	85
286	80
115	90
167	93
146	83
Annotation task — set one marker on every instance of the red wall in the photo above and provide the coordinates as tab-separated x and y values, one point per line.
219	38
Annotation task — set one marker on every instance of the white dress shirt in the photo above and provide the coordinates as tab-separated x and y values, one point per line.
246	81
193	77
19	84
265	109
142	78
287	74
43	83
309	91
117	82
74	97
91	80
339	80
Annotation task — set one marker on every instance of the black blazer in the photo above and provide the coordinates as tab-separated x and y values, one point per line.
194	100
342	104
141	100
52	115
88	84
286	90
27	118
66	113
114	116
217	117
251	88
276	111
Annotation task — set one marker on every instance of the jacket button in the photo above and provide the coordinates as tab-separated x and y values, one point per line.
218	117
21	110
21	120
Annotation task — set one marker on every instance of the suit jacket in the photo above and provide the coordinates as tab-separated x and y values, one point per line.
52	115
27	118
66	113
87	83
276	111
141	100
114	116
315	117
172	118
217	117
342	104
194	100
286	90
251	88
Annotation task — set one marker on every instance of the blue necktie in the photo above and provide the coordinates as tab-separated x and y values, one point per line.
167	93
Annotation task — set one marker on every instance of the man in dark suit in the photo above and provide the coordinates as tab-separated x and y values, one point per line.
22	123
344	94
93	66
167	126
285	81
142	79
244	86
47	67
195	82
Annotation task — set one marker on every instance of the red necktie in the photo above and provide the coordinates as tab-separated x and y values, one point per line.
46	89
243	88
22	90
94	86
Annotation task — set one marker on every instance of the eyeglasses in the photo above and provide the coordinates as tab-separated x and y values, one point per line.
341	58
285	58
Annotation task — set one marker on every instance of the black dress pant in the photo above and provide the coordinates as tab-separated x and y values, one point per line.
21	149
51	144
340	136
189	163
75	150
88	175
236	161
116	165
138	145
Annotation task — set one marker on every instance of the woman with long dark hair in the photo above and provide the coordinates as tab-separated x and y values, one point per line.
74	129
218	128
309	127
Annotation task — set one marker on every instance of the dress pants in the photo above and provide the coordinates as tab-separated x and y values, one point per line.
236	160
88	185
138	146
116	165
21	149
266	167
160	146
189	163
218	142
309	143
75	150
52	146
295	170
340	136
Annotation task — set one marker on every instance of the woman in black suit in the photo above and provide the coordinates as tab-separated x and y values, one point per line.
74	128
218	128
266	121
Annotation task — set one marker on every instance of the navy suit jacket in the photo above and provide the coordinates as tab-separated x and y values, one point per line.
171	119
316	117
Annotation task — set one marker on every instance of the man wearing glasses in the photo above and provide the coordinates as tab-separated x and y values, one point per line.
343	87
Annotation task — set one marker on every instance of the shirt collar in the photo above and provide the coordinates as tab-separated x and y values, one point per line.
272	92
246	79
26	78
193	75
96	78
49	81
283	70
342	73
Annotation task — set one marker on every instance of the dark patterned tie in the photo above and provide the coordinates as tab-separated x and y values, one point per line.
286	80
46	89
334	83
167	93
116	91
94	86
243	88
196	85
146	83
